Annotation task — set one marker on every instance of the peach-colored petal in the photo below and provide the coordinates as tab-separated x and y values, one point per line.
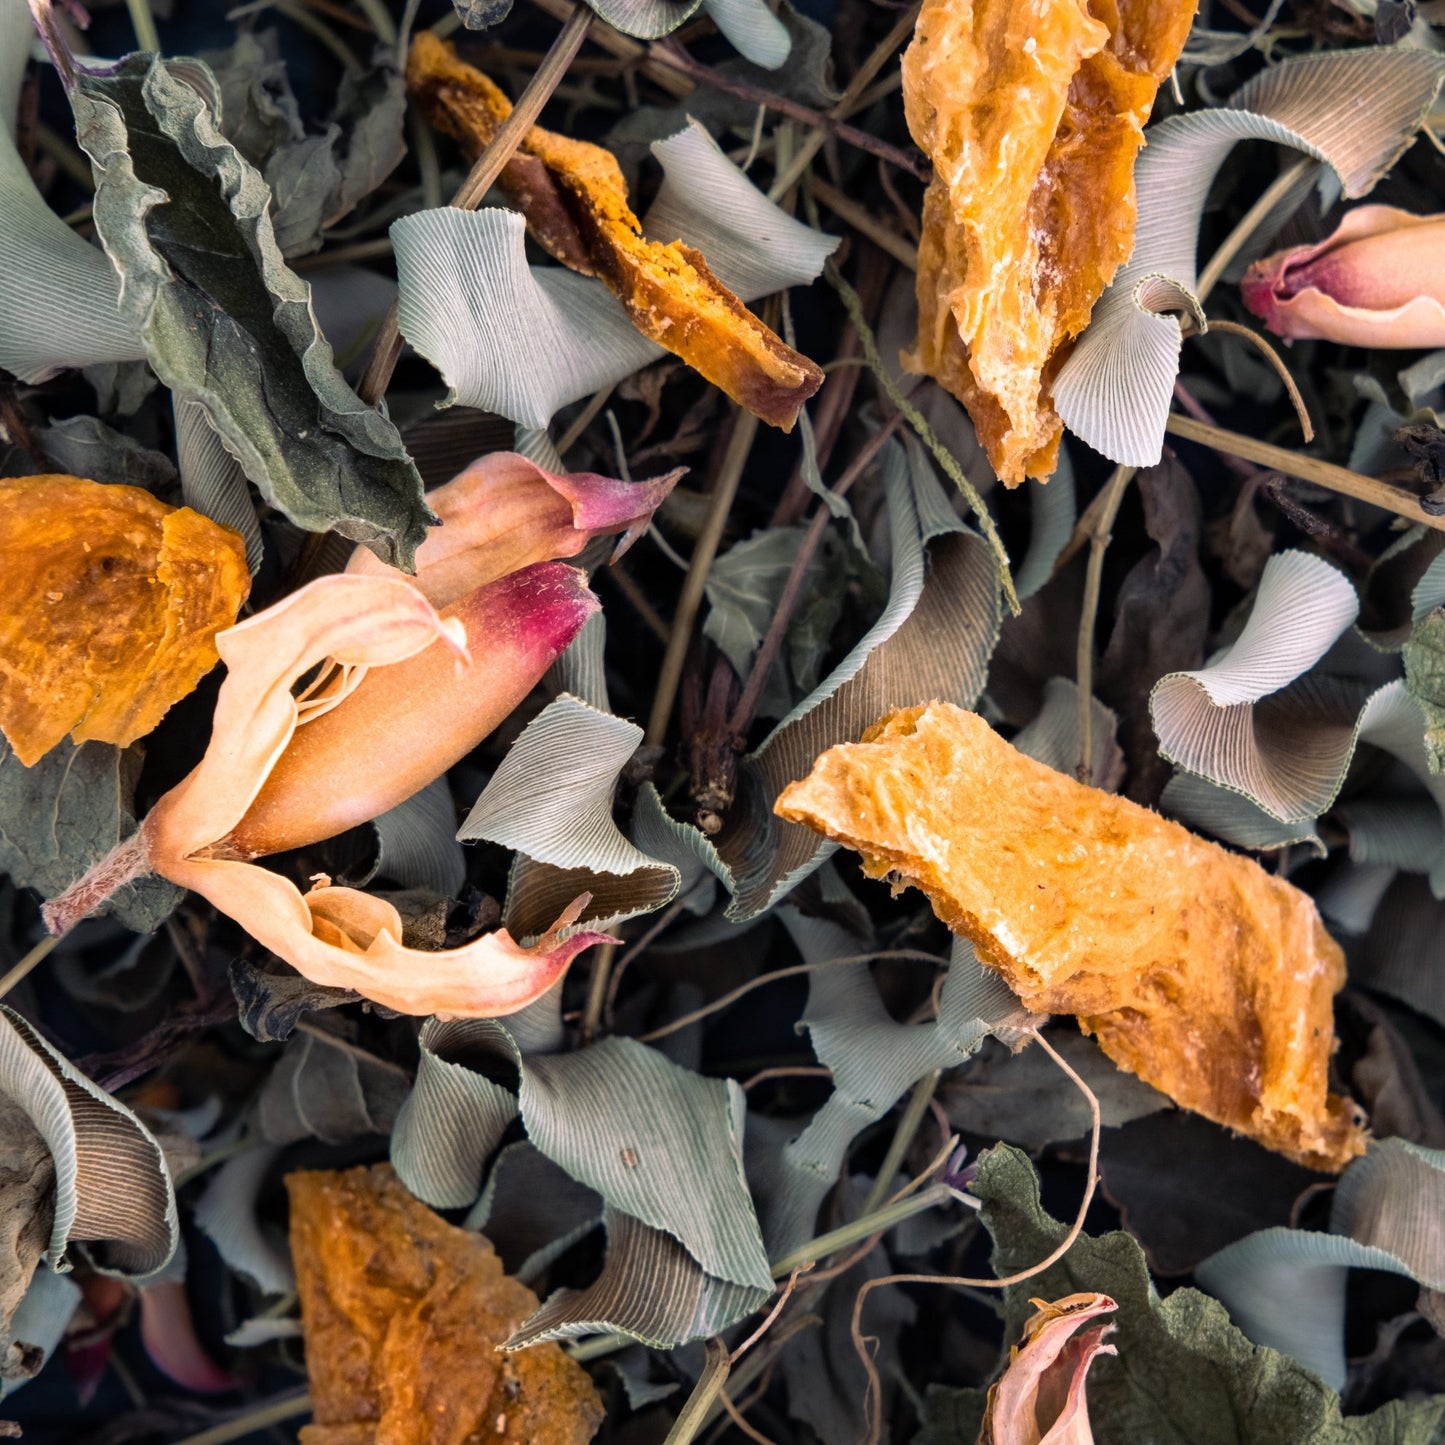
505	512
1377	281
343	938
359	622
1039	1399
404	725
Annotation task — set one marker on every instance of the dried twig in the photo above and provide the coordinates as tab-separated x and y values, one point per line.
860	1342
387	350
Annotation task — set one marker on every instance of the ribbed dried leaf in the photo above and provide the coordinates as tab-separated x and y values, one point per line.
110	602
1194	968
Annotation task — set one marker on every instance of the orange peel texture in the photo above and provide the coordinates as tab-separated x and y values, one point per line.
110	602
403	1314
1032	112
575	201
1194	968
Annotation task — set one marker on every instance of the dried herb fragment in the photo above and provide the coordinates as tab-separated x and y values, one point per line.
1193	967
575	201
403	1315
1032	115
110	602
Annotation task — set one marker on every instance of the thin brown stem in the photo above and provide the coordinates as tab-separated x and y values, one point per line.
1233	328
884	51
767	653
669	52
866	222
740	443
26	964
1248	223
387	350
1308	469
1089	613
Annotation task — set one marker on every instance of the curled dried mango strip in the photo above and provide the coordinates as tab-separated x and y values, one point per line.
1032	114
110	602
1193	967
575	201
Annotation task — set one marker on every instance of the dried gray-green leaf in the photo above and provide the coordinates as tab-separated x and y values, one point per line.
319	1090
113	1196
1425	677
59	296
65	814
83	446
532	1210
184	218
456	1113
650	1288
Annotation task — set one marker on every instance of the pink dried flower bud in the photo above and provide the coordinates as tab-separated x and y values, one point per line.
1378	281
408	723
505	512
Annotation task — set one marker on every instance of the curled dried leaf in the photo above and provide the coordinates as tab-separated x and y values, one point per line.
110	602
1193	967
575	201
403	1314
1032	114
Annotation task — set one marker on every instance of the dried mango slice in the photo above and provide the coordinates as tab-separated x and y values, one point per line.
110	602
1032	114
1193	967
403	1314
575	201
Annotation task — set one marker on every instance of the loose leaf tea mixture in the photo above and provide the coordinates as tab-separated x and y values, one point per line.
722	722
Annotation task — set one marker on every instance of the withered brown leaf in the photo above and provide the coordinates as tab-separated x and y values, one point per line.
110	602
1032	114
575	201
403	1314
1193	967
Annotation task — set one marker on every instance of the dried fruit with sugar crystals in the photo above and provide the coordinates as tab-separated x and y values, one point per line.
575	201
1193	967
110	602
403	1314
1032	114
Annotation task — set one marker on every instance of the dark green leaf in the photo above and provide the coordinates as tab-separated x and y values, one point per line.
1183	1374
184	218
65	814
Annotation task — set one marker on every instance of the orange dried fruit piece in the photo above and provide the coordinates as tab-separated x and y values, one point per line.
575	201
1032	114
110	602
1194	968
402	1315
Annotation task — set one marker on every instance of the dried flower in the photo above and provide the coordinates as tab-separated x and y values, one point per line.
1378	281
504	512
1039	1399
403	692
394	705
